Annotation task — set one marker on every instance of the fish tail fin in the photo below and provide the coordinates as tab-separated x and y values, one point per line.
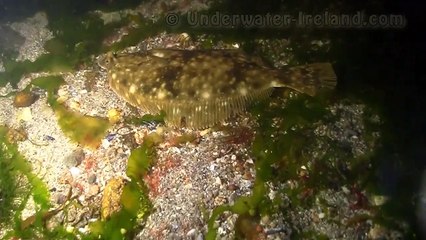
308	79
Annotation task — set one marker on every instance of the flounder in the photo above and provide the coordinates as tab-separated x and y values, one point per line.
199	88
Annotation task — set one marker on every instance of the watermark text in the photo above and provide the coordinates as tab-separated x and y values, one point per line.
299	20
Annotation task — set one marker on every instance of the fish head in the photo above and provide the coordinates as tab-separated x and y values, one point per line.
107	61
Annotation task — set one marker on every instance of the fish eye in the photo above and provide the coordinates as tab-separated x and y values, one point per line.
107	60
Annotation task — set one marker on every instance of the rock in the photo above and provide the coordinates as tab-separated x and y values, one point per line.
111	197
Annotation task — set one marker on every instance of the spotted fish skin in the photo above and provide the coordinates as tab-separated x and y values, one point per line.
199	88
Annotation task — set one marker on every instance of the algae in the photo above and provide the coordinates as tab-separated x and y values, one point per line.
134	198
18	185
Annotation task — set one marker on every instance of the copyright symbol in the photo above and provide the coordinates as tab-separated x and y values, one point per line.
172	19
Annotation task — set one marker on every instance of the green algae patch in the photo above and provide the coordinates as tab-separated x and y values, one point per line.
245	206
50	83
18	185
8	178
134	199
289	147
124	223
141	158
147	118
77	38
45	63
85	130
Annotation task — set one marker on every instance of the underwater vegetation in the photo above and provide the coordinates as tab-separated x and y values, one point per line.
286	150
19	185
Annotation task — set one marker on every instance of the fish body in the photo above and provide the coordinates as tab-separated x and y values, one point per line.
199	88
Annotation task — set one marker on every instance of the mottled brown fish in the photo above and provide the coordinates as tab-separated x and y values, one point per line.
199	88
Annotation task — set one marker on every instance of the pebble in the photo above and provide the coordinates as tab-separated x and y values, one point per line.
92	178
218	181
75	158
105	144
93	190
114	115
191	232
66	178
69	229
25	114
74	105
75	172
378	200
247	176
83	230
200	237
232	187
24	99
60	198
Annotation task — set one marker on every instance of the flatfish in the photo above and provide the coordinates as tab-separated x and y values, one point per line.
200	88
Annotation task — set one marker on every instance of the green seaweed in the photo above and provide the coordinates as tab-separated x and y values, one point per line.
147	118
90	131
50	83
283	144
77	38
134	198
123	224
9	179
18	184
142	158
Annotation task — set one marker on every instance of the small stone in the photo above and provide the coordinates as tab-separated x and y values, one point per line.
24	99
239	168
265	220
191	232
111	197
60	198
105	143
250	161
74	105
232	187
69	229
321	215
62	92
114	115
75	172
62	99
379	200
92	178
247	176
218	181
200	237
205	132
346	190
212	167
75	158
93	190
25	114
83	230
